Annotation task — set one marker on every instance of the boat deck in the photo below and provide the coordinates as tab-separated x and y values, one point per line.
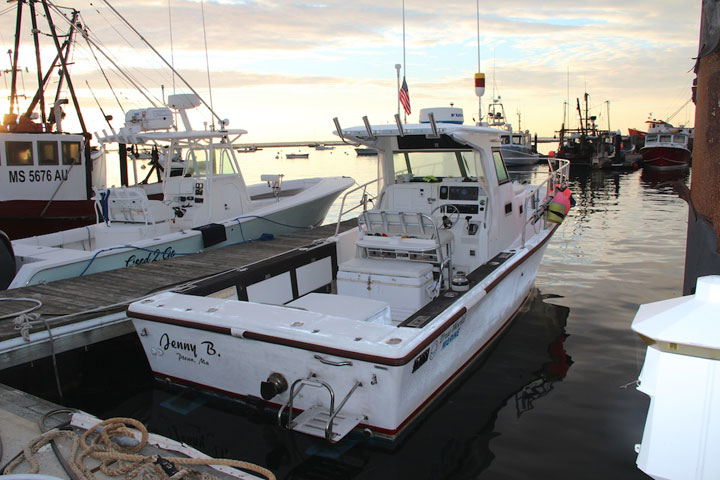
118	287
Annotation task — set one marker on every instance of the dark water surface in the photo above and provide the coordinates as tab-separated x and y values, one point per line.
548	402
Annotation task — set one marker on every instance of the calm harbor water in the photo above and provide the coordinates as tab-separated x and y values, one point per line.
554	399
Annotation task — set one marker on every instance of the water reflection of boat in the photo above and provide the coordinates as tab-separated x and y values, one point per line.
654	177
522	369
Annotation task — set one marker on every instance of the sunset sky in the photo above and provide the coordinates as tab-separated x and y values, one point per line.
282	70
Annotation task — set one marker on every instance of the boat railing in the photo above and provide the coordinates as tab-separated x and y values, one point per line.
365	198
536	200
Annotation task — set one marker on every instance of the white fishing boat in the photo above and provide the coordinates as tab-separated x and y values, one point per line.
366	329
516	146
206	204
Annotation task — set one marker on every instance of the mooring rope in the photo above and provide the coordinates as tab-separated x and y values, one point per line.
113	443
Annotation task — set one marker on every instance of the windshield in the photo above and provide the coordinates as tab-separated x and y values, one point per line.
197	160
438	164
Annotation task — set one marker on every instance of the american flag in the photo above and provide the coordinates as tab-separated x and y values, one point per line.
404	97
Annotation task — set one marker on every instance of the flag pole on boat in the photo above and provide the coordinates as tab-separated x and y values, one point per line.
397	68
403	93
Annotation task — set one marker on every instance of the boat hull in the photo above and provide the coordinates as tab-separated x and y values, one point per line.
27	218
666	158
396	387
515	156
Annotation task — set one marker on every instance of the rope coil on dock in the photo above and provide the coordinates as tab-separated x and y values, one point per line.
113	443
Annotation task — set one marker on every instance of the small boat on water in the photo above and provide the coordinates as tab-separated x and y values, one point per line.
365	152
366	329
517	147
248	149
667	147
206	204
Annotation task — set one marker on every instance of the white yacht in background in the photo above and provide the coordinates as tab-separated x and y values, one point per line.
516	146
206	204
367	328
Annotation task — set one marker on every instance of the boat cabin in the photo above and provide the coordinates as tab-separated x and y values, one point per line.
666	140
42	166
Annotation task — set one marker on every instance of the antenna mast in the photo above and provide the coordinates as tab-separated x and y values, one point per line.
479	77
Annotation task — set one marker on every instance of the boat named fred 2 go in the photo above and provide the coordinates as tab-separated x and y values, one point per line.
365	329
206	204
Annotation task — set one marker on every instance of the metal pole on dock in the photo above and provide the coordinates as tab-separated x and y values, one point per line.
703	238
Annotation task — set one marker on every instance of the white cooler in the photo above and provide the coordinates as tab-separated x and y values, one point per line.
403	284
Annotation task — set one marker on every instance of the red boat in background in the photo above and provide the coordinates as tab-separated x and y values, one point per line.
47	175
667	147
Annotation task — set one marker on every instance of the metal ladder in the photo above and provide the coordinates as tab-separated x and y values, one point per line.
317	420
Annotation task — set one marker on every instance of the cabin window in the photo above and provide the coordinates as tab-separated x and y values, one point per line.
517	140
680	138
47	153
438	164
19	153
505	140
651	138
500	168
665	138
223	162
71	153
196	161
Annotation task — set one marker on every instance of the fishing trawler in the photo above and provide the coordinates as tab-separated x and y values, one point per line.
667	147
365	329
47	174
206	204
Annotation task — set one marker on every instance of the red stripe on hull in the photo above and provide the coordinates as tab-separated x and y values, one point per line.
25	218
665	158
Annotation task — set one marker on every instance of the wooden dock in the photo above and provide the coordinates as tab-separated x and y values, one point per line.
86	310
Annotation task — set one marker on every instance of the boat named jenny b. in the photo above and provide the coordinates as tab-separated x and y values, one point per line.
365	329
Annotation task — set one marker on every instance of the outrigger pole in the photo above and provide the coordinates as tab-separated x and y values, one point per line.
222	122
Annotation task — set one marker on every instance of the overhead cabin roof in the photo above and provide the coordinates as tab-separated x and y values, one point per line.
142	137
421	136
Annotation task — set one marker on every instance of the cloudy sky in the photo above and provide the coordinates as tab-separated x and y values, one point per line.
282	69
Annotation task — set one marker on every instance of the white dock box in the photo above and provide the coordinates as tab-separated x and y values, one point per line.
363	309
404	285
